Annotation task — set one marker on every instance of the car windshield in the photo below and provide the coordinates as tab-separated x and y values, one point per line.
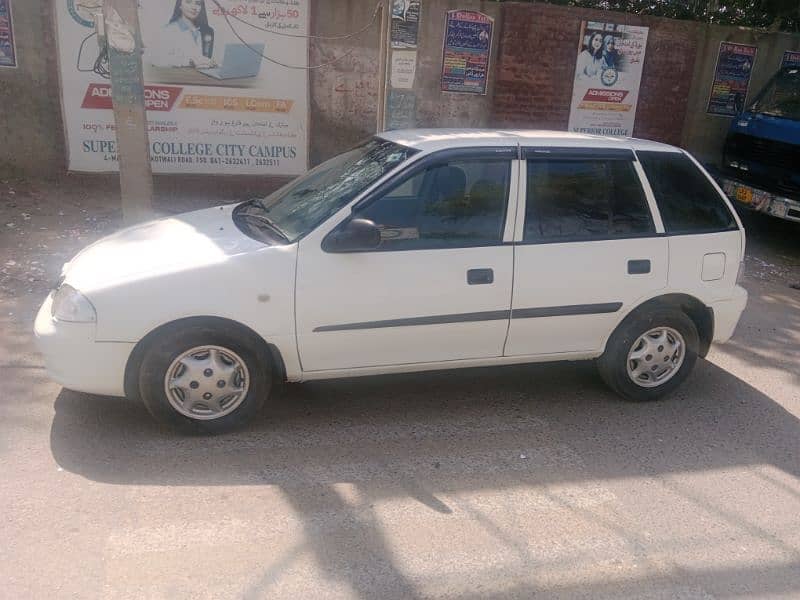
300	206
781	97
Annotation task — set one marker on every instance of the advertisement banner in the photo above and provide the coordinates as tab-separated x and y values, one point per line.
401	110
791	58
731	79
404	68
467	45
217	99
8	48
405	23
608	73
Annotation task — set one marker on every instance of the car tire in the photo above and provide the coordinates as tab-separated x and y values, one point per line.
204	379
641	361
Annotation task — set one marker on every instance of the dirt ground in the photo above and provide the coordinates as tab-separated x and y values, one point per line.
487	483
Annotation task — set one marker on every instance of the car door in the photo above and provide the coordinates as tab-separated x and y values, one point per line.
588	246
438	286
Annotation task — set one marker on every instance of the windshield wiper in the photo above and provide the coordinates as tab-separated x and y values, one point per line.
244	213
267	222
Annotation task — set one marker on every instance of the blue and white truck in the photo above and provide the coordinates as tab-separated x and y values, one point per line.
761	156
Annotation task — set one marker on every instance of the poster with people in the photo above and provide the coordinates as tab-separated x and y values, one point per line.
404	28
226	86
731	79
608	72
8	48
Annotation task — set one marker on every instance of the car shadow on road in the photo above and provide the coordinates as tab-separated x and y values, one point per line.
436	435
768	334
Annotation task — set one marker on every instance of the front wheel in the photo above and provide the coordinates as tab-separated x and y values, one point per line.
204	379
650	354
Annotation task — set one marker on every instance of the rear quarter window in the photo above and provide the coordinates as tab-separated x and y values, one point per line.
687	200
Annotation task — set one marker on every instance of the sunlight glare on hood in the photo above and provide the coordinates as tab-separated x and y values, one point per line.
158	246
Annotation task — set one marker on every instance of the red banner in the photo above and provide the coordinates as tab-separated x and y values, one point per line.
615	96
156	97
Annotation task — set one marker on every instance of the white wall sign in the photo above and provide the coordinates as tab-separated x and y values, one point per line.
214	103
607	77
404	68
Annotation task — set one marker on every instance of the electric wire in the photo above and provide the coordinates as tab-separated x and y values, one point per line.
226	16
100	66
346	36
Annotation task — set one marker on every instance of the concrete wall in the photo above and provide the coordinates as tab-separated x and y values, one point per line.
530	82
344	97
31	134
704	134
446	109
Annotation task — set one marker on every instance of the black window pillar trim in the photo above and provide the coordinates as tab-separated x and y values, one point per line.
576	153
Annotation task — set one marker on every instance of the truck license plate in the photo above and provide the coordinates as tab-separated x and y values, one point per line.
744	194
778	209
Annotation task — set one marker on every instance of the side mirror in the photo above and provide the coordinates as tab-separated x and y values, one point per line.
355	235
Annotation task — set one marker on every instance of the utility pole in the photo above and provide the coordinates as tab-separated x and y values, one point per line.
385	20
121	24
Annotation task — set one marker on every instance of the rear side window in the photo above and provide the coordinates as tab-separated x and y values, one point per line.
584	200
687	200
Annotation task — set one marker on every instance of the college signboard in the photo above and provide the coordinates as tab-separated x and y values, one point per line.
608	72
217	99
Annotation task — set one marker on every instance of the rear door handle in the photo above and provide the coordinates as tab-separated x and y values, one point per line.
480	276
638	267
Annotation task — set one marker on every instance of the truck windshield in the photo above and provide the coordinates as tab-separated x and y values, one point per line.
781	97
300	206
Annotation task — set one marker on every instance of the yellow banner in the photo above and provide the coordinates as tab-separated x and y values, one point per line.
236	103
605	106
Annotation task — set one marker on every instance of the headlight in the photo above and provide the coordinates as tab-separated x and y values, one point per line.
70	305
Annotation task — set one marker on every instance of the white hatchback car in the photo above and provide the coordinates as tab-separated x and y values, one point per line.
416	250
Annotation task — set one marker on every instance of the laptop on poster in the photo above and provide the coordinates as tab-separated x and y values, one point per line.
239	61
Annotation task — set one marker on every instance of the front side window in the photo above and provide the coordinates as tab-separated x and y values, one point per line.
686	199
452	204
584	200
300	206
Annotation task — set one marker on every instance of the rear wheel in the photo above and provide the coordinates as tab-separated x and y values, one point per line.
204	379
650	354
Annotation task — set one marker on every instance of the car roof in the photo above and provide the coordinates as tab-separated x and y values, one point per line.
429	140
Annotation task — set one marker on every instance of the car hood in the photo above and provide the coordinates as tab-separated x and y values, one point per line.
191	240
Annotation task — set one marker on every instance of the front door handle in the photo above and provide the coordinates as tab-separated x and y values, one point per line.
480	276
638	267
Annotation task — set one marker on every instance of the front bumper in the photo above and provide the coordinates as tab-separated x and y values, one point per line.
727	314
75	360
759	200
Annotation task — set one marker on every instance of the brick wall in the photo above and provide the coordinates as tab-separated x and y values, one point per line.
536	65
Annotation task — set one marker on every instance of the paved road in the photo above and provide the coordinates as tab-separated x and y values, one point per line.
503	483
